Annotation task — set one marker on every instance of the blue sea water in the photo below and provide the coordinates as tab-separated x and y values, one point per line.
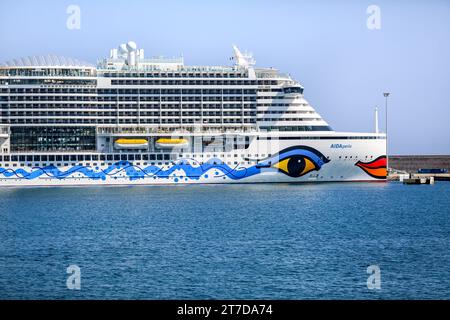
274	241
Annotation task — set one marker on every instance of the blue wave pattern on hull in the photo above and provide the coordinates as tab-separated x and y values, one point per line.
193	172
133	172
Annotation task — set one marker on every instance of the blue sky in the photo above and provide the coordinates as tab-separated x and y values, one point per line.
325	45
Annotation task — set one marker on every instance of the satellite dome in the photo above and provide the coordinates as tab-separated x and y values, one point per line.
131	46
123	49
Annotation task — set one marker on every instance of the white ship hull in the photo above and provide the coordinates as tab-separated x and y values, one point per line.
319	161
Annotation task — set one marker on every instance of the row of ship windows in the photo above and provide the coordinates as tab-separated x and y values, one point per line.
136	157
84	82
116	106
86	157
93	115
155	104
194	82
174	75
125	121
167	163
29	102
72	72
69	72
134	92
117	91
178	98
135	115
62	82
48	98
43	99
127	112
161	91
93	111
113	113
59	164
108	109
46	90
112	157
128	98
218	120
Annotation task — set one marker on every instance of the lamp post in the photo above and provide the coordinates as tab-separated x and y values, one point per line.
386	95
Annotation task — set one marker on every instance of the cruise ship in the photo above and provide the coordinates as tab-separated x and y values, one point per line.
132	120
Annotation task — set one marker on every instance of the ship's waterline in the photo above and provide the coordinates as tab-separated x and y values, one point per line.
134	120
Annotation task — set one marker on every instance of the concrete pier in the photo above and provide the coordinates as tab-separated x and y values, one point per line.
429	180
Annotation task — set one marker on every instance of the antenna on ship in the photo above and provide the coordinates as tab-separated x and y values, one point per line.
386	96
243	59
376	119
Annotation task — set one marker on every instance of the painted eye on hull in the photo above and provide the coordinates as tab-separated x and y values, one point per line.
295	161
296	166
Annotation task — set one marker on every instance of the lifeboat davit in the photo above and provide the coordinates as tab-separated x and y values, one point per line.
124	143
165	143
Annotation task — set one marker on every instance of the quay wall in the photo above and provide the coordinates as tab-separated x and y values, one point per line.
412	163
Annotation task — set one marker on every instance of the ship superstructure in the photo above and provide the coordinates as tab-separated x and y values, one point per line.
138	120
